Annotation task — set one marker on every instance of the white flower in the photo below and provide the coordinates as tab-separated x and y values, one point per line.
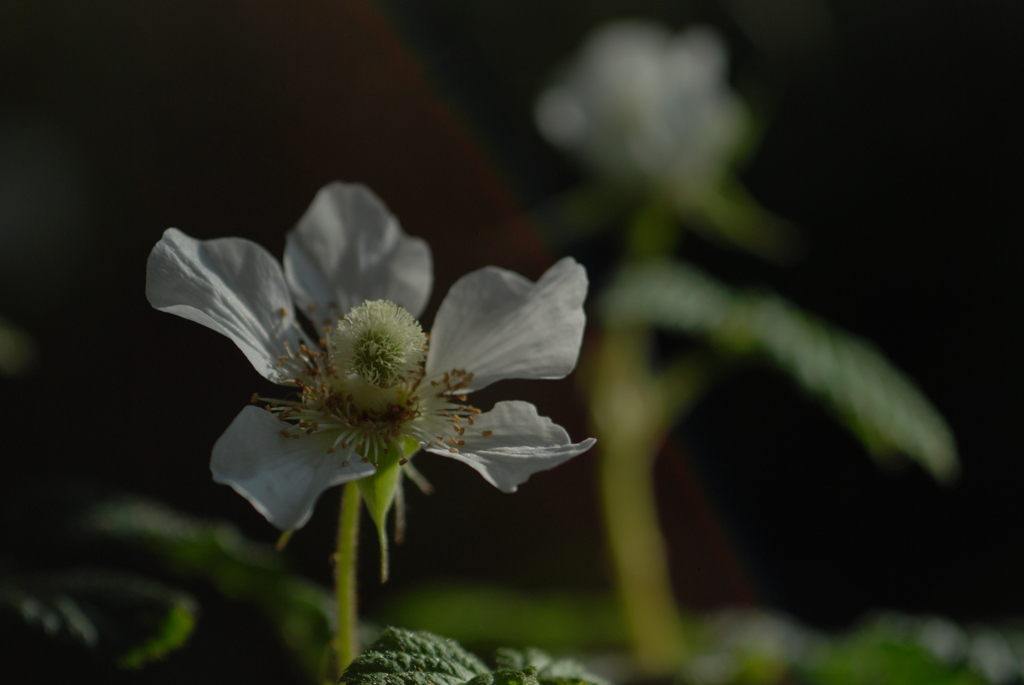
367	381
647	110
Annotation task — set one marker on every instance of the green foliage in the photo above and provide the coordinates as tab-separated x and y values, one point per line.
734	647
874	399
754	647
507	677
549	671
888	664
556	621
67	519
880	656
119	616
239	568
403	657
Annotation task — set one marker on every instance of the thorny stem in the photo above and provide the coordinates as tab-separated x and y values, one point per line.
345	642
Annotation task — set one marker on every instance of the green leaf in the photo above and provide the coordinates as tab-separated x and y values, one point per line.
402	657
888	664
751	647
879	655
549	671
507	677
873	398
240	569
119	616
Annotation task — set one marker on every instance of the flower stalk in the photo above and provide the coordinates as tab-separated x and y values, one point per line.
631	411
628	418
346	645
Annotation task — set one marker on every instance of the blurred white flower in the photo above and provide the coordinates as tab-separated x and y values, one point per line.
371	383
648	111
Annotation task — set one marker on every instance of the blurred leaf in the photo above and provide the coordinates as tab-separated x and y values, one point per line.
119	616
549	671
881	656
732	215
978	653
751	647
877	401
408	658
887	664
17	353
555	621
240	569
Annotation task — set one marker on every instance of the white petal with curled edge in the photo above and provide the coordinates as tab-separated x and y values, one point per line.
521	443
496	324
348	248
231	285
281	477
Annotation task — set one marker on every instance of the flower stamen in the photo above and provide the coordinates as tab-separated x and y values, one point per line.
359	386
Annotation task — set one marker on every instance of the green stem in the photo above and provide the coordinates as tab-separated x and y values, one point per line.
631	411
627	419
345	642
641	566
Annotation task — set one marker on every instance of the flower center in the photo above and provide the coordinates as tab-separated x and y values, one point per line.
363	386
380	343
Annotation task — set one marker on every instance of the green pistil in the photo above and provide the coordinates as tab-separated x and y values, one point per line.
378	358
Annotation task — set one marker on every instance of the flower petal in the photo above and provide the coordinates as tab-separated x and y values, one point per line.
282	477
348	248
519	444
496	324
231	285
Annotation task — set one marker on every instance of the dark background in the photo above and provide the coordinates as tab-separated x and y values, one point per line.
892	139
